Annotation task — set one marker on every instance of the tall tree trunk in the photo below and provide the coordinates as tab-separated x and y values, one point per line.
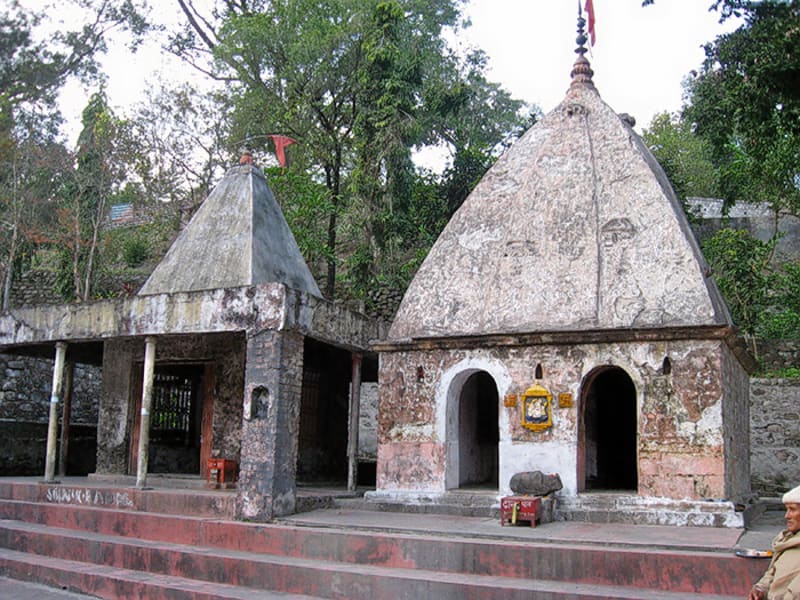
76	255
9	276
96	223
332	182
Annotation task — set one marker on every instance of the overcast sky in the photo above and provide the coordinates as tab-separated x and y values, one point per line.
640	57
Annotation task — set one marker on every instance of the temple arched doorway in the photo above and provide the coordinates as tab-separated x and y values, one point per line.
607	448
474	433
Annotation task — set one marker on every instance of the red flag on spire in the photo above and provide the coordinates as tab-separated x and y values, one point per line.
590	14
281	141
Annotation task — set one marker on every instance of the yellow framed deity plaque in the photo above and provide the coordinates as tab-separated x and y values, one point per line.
537	408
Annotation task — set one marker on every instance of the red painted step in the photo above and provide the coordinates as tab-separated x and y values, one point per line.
697	572
357	583
106	543
113	583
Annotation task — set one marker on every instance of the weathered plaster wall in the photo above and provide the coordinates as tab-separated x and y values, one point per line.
114	427
229	374
272	387
736	409
238	309
681	445
368	422
775	435
681	453
575	227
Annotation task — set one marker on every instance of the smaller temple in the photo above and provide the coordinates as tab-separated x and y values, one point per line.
228	356
565	322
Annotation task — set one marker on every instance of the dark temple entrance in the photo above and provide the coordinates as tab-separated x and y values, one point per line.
608	432
180	393
478	432
322	448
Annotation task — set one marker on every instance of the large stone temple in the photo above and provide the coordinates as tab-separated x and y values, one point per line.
566	322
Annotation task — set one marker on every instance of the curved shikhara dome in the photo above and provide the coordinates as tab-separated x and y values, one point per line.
576	227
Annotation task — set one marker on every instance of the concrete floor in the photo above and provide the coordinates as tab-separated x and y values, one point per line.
22	590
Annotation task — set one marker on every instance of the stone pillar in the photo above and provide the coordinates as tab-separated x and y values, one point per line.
354	415
114	412
147	400
55	397
270	421
66	417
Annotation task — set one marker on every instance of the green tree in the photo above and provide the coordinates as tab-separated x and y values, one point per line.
353	82
31	165
740	264
458	106
745	101
32	73
99	174
782	319
684	156
181	140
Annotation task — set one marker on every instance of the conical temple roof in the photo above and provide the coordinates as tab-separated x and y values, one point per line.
238	237
575	227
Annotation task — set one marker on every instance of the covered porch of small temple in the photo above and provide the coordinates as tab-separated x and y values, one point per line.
263	377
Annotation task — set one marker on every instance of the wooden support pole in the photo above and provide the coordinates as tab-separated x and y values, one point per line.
66	417
147	401
52	427
352	437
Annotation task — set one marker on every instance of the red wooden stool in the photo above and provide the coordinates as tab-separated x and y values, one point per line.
520	508
221	472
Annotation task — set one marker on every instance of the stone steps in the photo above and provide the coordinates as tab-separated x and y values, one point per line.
465	504
112	567
115	553
636	510
104	581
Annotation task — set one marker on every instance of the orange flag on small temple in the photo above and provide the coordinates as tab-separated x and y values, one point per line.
590	19
281	141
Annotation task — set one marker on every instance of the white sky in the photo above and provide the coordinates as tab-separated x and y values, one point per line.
640	58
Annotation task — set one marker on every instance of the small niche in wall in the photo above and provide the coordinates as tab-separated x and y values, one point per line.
257	405
666	366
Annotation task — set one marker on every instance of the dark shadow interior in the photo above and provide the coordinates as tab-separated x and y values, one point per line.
175	419
324	406
610	428
478	432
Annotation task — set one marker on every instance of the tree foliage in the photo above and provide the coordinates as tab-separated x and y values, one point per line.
685	157
33	68
360	84
85	194
741	268
746	102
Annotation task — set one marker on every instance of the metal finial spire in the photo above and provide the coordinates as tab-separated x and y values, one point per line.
581	70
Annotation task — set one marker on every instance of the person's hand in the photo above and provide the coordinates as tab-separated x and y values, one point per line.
757	594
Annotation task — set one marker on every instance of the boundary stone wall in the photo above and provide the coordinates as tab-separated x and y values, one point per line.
774	435
24	411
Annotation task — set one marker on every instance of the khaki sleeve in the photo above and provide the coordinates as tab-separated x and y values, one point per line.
766	579
793	589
